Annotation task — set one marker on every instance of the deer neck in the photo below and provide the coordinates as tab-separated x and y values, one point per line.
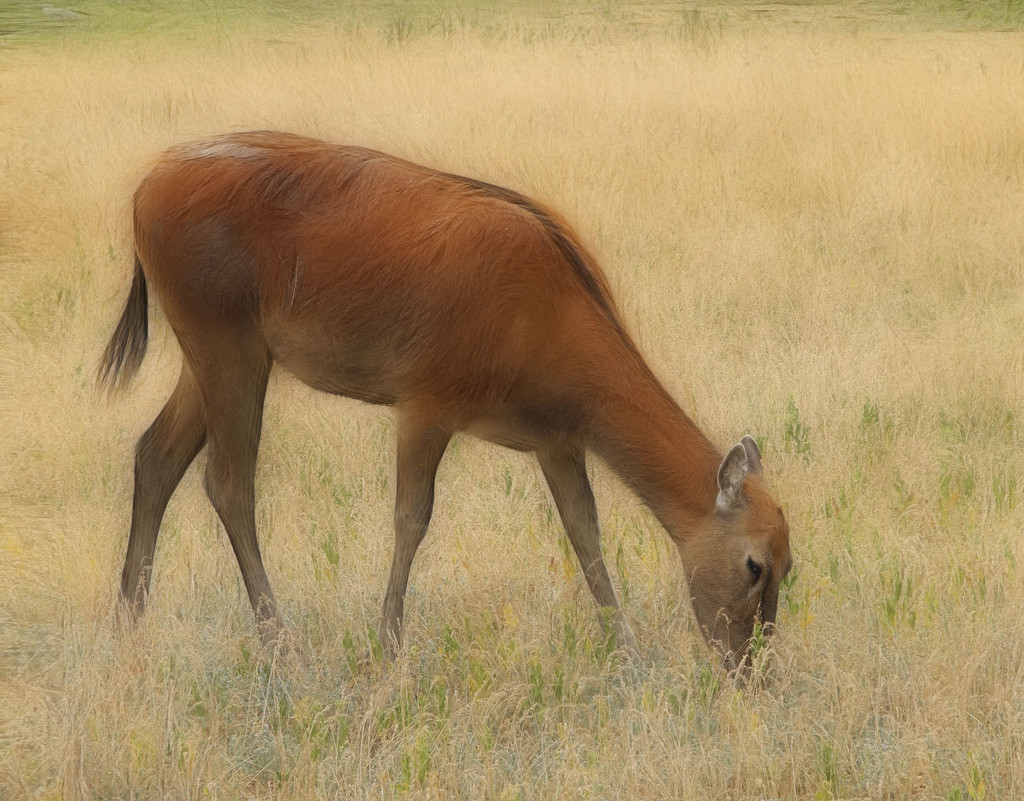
654	447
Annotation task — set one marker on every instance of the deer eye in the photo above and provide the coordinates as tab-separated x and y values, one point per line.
755	569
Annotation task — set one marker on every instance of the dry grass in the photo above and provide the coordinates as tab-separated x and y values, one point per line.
816	234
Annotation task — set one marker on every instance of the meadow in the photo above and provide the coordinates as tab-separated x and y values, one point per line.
813	220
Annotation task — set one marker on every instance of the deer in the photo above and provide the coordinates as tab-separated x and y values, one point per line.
464	306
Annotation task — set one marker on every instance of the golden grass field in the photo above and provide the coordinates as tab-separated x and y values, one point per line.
813	220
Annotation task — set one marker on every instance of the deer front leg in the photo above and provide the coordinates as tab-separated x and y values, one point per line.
420	448
565	470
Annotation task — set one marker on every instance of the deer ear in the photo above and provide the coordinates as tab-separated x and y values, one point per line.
753	454
730	479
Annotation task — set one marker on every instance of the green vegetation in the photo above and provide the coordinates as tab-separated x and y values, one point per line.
402	20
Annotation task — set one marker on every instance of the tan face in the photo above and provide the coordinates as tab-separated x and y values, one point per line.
736	565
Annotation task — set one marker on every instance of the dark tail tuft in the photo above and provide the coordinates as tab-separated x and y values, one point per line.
127	347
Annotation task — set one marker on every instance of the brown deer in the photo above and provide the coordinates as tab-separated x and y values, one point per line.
466	307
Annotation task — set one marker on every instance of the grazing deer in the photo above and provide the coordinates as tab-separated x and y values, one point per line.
466	307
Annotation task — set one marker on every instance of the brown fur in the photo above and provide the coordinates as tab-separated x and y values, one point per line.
465	306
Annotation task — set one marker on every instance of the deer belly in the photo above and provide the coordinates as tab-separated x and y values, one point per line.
351	367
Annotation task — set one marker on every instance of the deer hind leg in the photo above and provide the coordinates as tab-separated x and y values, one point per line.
162	455
234	384
420	448
565	471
